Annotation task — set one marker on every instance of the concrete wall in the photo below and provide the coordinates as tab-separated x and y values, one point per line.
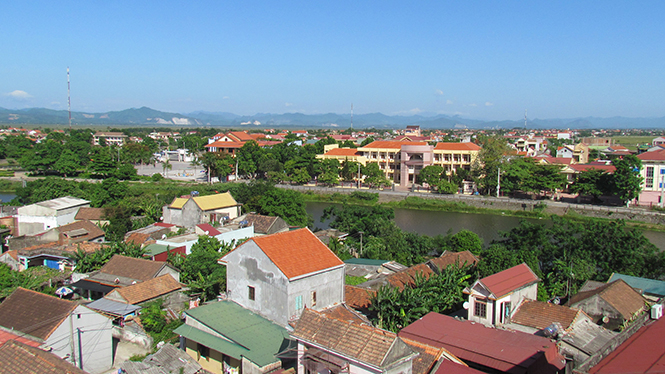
213	363
329	288
237	235
248	266
96	340
167	270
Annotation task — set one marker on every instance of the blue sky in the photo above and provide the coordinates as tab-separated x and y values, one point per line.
478	59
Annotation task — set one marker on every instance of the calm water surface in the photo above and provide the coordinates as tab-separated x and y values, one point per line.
487	226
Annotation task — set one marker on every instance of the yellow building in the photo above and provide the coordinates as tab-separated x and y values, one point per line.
402	161
332	151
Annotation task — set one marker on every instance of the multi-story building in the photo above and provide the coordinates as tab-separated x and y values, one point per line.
402	161
653	177
110	138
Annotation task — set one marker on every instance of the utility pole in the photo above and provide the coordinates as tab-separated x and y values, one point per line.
498	181
361	242
358	175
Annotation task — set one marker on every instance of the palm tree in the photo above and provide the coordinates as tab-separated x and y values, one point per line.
166	165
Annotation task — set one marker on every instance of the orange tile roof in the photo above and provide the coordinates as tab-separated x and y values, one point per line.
358	298
618	294
380	144
297	252
539	314
144	291
450	258
451	146
343	152
241	136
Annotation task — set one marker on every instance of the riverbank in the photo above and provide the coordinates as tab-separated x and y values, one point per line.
636	217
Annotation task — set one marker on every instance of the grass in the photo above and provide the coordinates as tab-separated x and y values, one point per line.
354	281
631	142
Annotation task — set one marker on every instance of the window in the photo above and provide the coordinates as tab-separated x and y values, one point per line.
480	309
252	293
298	303
649	182
313	298
202	350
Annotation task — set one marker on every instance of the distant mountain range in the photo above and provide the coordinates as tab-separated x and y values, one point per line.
149	117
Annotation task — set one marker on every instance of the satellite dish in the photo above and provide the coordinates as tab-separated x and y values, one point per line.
606	319
465	305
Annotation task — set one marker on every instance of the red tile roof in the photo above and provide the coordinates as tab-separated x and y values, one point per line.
34	313
539	314
509	280
16	357
297	252
658	155
449	258
6	335
450	146
390	144
503	350
358	298
583	167
643	352
144	291
343	152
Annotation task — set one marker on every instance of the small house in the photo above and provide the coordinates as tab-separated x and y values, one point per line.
70	330
188	211
492	299
279	275
39	217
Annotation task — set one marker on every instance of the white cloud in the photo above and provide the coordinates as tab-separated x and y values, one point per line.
225	97
415	110
449	102
19	95
473	104
288	104
438	92
487	103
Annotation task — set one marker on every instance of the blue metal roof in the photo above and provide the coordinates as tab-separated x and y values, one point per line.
649	286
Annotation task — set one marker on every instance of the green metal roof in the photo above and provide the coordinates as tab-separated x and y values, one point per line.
261	338
649	286
155	249
218	344
365	261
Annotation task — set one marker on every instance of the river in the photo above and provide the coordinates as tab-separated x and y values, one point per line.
426	222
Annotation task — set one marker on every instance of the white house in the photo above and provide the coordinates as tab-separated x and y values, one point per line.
278	275
67	329
39	217
493	299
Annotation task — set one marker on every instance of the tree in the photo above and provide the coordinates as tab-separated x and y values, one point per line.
431	175
349	170
491	157
374	176
201	270
592	182
68	163
330	172
102	163
166	165
627	182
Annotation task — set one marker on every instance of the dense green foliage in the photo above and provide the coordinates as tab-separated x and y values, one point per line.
394	309
36	278
567	253
87	262
153	318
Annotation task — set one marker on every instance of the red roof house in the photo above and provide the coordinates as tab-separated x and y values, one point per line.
493	299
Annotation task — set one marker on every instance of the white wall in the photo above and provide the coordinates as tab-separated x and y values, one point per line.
96	339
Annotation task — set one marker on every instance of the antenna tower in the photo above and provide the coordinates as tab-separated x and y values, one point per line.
351	116
524	119
69	101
